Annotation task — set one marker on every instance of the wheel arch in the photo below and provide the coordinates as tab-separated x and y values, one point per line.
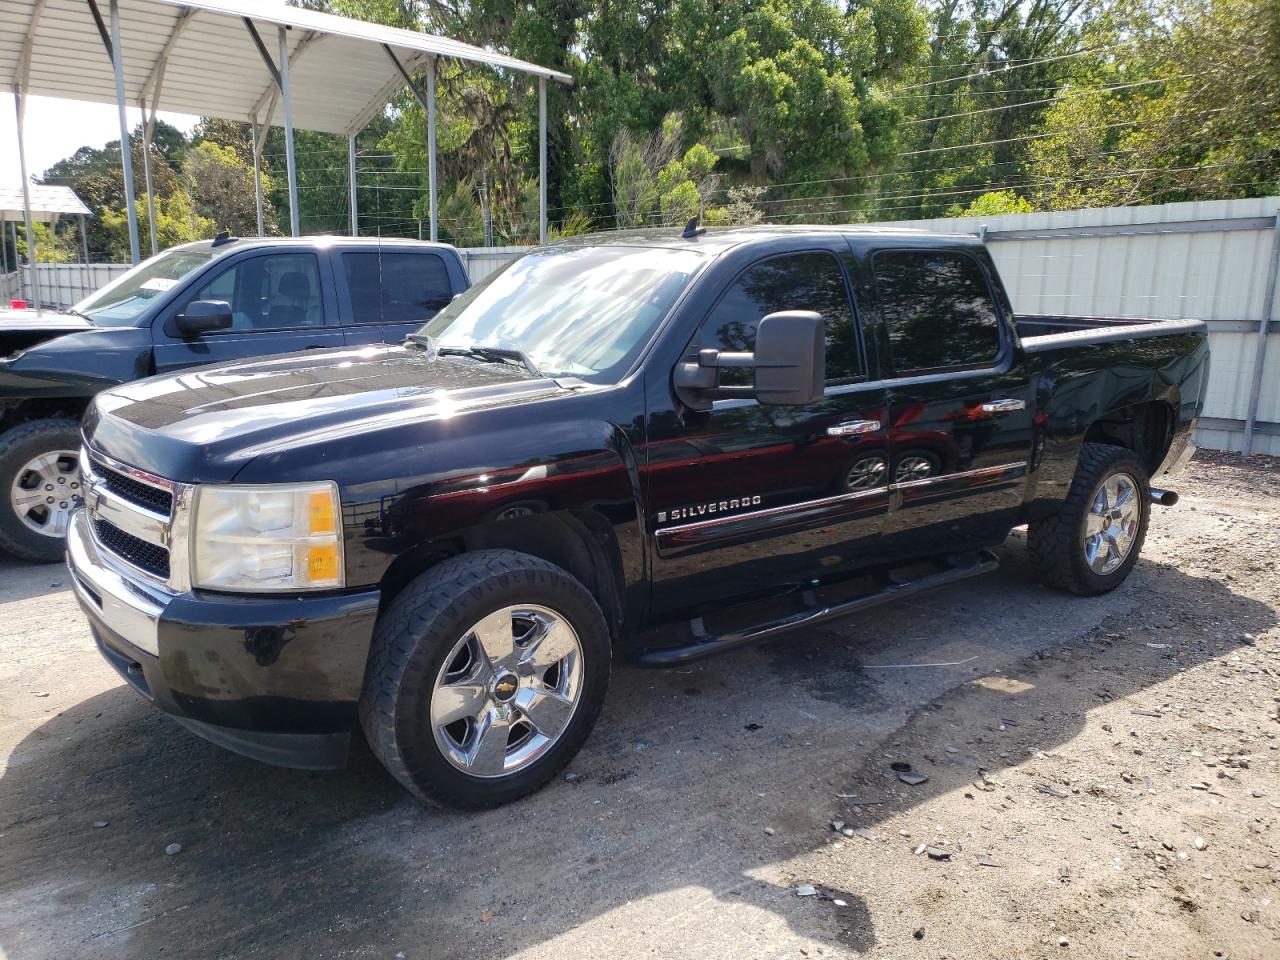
582	543
1145	427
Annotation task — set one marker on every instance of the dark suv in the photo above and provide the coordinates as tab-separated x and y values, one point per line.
197	304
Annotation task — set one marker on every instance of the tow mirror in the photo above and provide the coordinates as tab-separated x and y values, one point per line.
790	362
203	316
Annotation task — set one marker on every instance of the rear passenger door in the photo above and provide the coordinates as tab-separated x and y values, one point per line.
388	294
746	496
960	402
281	302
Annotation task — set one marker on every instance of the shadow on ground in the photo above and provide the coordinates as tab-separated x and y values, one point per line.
667	806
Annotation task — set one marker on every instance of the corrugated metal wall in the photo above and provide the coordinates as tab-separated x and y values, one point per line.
1207	261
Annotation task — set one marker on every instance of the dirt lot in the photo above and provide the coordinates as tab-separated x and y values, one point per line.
1103	781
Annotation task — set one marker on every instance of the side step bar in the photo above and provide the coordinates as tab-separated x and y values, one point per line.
710	645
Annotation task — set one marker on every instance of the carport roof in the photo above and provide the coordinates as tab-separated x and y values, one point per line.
47	203
209	62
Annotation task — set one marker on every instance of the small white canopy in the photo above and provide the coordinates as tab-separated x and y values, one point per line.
47	203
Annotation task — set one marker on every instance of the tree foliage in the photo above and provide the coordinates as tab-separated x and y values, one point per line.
767	111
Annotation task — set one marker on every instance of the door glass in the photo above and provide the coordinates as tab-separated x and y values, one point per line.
937	310
270	293
803	281
396	287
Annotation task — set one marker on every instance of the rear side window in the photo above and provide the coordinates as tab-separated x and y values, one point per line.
937	309
802	281
396	287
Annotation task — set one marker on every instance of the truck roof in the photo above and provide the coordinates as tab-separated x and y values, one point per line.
717	240
232	244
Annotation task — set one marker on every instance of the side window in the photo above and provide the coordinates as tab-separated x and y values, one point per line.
802	281
937	309
396	287
271	292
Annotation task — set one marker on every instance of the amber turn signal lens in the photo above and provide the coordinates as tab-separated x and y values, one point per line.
320	513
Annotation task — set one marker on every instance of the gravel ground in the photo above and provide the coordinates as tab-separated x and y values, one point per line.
1103	781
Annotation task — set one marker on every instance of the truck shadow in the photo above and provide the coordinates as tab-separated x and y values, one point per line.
660	824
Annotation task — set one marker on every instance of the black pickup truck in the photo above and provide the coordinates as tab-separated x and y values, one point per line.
199	303
660	445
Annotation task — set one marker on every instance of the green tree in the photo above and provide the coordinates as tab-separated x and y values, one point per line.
992	204
220	184
1188	113
176	222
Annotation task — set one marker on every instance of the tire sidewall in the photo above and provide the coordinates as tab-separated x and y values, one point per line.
24	444
419	752
1122	462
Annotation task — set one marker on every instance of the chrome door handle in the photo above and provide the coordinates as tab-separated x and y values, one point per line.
1004	406
851	428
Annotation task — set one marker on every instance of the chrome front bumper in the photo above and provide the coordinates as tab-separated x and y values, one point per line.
104	588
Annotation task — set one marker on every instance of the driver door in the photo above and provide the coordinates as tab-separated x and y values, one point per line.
745	497
280	302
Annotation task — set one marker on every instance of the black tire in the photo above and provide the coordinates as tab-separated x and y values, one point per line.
19	447
420	628
1056	544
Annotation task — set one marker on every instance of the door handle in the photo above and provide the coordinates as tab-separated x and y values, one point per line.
1004	406
852	428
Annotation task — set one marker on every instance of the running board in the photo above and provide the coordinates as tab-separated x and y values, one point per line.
709	645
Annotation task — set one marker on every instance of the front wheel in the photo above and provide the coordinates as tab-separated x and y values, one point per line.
485	677
1094	540
39	487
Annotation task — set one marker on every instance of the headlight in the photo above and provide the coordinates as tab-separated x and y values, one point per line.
269	537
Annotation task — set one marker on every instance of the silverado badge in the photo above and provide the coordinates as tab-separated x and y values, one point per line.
698	510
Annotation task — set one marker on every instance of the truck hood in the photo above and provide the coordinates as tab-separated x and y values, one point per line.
205	424
23	329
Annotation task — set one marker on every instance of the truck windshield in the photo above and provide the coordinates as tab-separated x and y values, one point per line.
573	311
120	302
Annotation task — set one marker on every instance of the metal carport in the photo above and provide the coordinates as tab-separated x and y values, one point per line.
244	60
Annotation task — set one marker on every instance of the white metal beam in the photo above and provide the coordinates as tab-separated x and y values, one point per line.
257	171
148	128
287	99
20	109
23	74
126	150
1260	351
428	103
351	180
542	159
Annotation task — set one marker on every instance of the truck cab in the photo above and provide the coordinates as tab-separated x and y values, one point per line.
197	304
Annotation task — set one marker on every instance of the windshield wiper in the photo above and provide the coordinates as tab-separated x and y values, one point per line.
73	312
504	354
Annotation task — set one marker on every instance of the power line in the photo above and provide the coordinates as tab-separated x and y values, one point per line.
1010	69
1053	99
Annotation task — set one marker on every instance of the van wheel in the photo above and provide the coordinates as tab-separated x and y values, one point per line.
1094	540
485	677
39	487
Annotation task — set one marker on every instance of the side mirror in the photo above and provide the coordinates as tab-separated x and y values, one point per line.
790	362
203	316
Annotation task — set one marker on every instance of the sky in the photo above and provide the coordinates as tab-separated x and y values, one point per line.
58	128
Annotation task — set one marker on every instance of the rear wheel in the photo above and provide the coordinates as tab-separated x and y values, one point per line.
39	487
486	675
1094	540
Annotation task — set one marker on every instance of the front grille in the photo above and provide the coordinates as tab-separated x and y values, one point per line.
145	556
136	492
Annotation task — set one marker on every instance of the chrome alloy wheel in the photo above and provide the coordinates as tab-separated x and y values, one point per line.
45	491
1112	523
866	473
912	467
507	691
